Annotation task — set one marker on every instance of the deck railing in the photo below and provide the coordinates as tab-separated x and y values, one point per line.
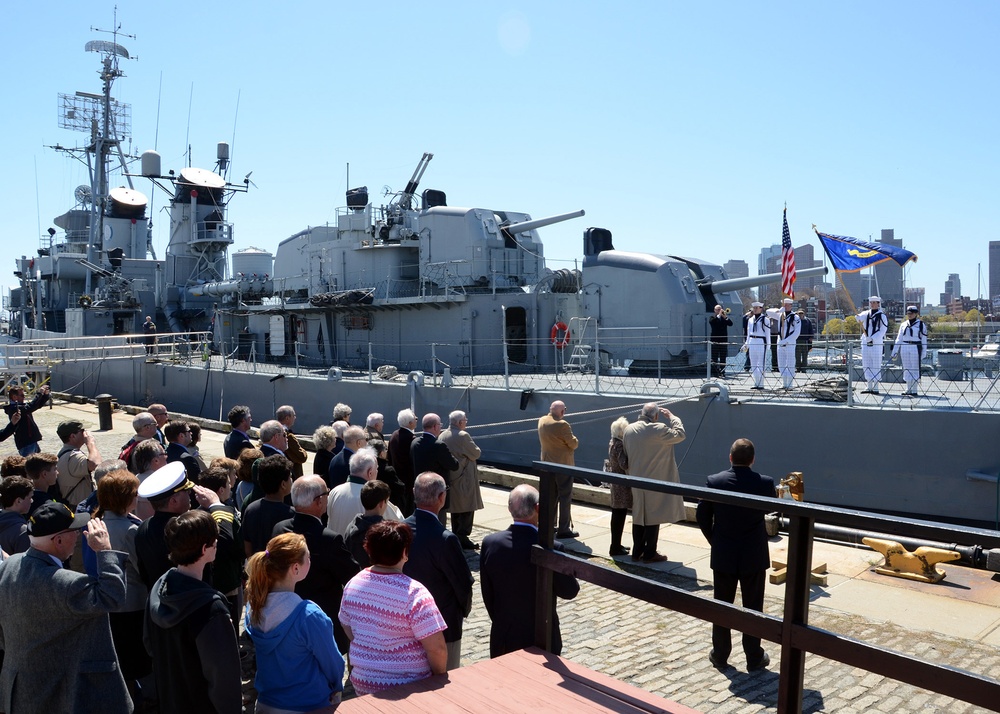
792	631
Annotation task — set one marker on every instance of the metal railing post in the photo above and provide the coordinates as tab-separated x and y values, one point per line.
545	597
370	360
793	660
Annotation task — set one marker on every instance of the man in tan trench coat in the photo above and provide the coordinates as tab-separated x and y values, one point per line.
463	483
649	444
558	444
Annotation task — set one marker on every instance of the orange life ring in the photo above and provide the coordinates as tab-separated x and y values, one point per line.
554	335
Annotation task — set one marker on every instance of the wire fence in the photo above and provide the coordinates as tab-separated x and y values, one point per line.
953	374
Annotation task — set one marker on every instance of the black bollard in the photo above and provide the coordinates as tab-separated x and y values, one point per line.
104	411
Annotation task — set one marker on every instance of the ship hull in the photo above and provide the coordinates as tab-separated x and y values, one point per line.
913	462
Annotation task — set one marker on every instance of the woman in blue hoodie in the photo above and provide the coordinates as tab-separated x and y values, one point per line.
299	667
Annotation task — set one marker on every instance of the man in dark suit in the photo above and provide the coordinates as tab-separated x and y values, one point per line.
178	435
273	438
437	562
739	549
331	563
508	578
354	439
430	454
399	456
239	438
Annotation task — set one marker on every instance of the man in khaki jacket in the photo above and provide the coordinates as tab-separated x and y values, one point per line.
463	482
649	444
558	444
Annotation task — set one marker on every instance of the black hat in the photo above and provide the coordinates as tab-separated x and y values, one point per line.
54	517
67	428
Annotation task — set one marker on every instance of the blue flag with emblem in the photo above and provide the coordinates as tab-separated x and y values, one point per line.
850	255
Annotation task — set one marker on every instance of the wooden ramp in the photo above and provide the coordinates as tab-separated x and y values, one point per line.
525	681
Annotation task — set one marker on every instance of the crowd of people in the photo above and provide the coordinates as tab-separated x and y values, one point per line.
351	568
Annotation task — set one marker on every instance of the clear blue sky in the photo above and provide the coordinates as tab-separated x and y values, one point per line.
682	127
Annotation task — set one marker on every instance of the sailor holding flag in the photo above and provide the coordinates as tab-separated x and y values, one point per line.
874	325
789	326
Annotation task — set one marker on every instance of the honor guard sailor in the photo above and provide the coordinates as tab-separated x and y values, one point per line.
911	341
789	325
874	326
758	332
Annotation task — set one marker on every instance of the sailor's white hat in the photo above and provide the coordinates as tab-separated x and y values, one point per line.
756	304
165	480
912	308
874	298
787	301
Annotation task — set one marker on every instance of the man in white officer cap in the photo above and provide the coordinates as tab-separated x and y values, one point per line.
169	492
874	325
789	326
758	333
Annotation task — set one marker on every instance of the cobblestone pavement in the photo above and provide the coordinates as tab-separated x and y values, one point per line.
664	652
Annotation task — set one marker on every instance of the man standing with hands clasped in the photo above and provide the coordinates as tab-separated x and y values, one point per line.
874	325
558	443
739	550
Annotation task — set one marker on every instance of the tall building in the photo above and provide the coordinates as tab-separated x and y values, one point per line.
914	296
805	257
994	268
737	268
952	289
767	254
889	274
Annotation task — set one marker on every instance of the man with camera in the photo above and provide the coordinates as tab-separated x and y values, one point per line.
26	433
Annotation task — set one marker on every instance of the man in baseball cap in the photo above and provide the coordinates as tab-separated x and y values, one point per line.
55	621
54	517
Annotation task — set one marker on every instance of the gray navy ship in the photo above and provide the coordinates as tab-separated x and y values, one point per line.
409	302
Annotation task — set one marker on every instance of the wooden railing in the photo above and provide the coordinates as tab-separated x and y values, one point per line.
792	631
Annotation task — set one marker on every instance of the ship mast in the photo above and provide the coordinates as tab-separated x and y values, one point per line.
108	122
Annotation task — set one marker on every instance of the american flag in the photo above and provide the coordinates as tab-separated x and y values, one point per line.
787	258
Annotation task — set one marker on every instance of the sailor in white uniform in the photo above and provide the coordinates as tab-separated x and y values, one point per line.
911	342
789	326
874	326
758	333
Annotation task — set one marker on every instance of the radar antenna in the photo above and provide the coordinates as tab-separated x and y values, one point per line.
83	195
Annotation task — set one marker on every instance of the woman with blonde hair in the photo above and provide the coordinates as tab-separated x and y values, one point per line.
621	496
299	668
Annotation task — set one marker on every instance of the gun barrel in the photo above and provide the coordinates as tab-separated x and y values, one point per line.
540	222
725	286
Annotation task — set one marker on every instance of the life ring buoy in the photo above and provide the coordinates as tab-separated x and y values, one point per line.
554	335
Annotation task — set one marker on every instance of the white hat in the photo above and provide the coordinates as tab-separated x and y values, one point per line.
874	298
787	301
166	479
756	304
912	308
